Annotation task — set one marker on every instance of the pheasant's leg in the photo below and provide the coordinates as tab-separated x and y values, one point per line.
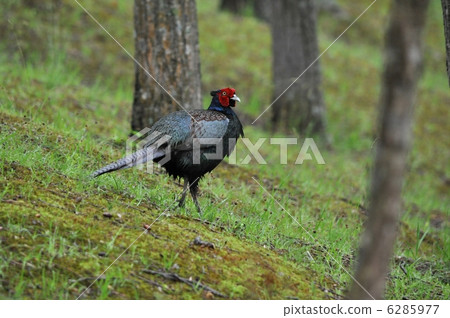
183	195
194	191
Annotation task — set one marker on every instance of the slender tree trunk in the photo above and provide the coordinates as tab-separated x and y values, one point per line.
261	8
234	6
295	47
403	64
446	15
332	7
166	41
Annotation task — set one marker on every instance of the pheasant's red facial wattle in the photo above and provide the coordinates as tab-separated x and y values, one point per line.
227	97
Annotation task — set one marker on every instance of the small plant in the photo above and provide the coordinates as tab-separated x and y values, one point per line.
420	236
168	259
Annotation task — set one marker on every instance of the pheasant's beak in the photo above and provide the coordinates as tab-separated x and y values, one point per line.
235	98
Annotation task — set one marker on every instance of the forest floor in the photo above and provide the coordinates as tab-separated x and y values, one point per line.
65	102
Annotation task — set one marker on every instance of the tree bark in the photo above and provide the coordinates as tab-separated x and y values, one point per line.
446	16
263	10
295	47
332	7
166	42
402	69
233	6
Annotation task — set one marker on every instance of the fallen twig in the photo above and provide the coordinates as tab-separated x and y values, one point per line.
83	279
151	282
177	278
198	241
361	208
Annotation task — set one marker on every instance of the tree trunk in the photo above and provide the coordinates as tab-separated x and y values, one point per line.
446	15
261	8
403	64
295	47
331	7
166	41
234	6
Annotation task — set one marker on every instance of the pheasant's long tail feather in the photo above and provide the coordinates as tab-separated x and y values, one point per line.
139	157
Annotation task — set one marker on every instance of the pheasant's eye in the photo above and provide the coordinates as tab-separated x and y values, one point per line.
224	93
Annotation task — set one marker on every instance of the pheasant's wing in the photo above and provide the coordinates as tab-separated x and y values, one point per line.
207	129
177	131
171	130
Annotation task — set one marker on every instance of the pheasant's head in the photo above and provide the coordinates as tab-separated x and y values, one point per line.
227	96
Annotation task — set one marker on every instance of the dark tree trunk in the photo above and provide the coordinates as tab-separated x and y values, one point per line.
234	6
295	47
263	10
332	7
166	41
446	15
403	64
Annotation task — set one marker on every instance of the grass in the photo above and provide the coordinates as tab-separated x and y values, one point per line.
65	110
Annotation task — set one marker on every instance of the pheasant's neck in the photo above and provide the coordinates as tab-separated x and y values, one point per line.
215	105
